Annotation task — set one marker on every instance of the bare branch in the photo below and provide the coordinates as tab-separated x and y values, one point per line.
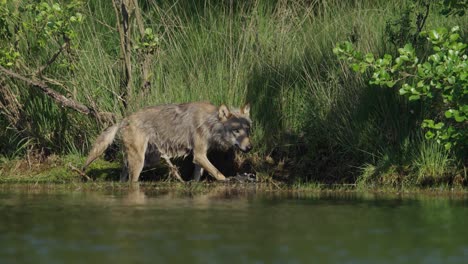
139	18
57	97
80	172
146	63
122	13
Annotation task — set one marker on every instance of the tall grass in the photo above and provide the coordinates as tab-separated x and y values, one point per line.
277	55
432	163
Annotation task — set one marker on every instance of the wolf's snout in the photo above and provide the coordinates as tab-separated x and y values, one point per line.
248	148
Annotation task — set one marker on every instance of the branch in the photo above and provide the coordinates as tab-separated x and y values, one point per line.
146	63
421	21
122	14
52	59
139	18
57	97
80	172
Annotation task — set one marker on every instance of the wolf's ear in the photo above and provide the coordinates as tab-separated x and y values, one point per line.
223	113
245	110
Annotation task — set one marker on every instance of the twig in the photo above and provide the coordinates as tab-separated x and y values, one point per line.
80	172
52	59
424	18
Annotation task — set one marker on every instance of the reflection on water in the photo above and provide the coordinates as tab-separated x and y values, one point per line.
142	224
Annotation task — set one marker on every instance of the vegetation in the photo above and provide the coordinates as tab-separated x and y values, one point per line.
70	68
441	80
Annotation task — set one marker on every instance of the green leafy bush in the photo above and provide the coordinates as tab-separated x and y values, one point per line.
440	80
35	26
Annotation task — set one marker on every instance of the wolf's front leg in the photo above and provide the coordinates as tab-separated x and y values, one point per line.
124	173
200	151
203	162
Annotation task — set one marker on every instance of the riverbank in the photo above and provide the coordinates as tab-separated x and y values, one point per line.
62	173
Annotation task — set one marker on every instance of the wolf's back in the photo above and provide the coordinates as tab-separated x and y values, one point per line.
102	143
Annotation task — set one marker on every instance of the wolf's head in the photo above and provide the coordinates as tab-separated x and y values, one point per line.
236	126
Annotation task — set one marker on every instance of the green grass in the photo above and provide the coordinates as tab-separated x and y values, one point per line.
325	123
432	163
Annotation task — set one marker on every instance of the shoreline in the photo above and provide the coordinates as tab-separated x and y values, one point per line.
62	172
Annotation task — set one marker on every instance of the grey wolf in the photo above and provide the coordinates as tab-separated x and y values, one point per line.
177	130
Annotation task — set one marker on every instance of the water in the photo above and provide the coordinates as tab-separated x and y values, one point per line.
229	226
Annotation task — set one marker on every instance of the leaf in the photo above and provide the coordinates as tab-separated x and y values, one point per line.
337	50
448	146
56	7
79	17
387	59
369	57
148	31
434	57
451	79
414	97
363	68
449	113
355	67
433	35
429	135
404	58
439	125
390	84
427	66
459	118
455	29
427	123
464	109
454	37
409	48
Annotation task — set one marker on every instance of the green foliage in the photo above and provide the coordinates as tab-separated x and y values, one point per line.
433	163
440	80
411	21
308	113
148	43
32	26
52	20
8	53
8	56
407	26
454	7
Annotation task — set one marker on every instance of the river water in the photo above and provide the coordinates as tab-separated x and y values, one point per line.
229	226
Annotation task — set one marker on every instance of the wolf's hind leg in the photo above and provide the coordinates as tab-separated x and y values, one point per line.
197	172
174	170
135	151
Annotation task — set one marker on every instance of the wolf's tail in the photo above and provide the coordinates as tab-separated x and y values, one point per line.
101	144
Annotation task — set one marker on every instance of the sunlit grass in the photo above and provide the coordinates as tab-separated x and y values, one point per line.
307	106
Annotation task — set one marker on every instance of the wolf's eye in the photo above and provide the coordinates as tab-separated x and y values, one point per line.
236	131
